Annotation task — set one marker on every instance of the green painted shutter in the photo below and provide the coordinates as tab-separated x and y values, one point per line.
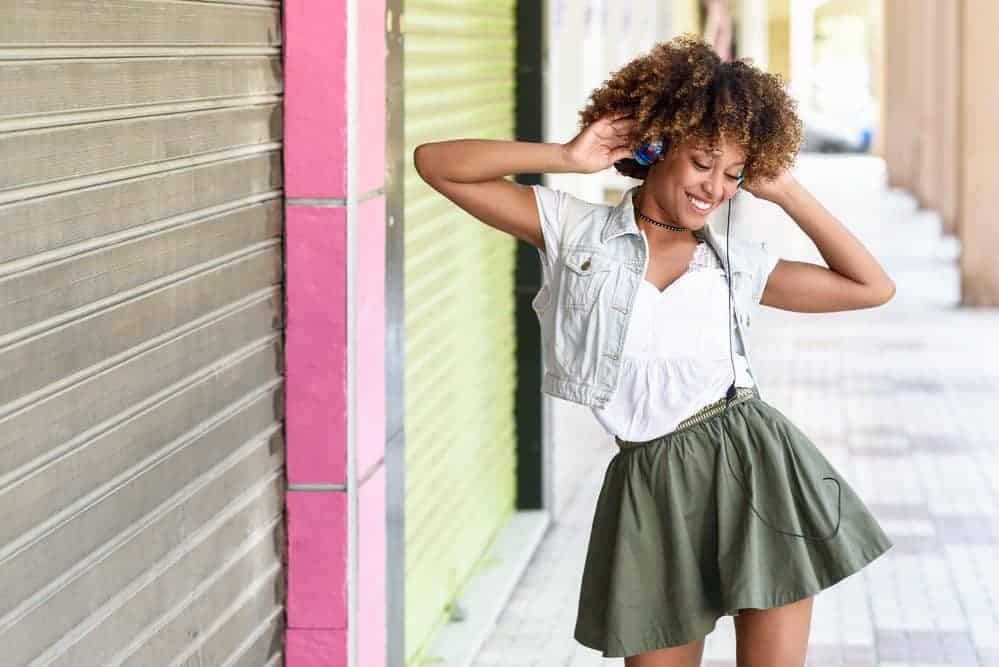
459	300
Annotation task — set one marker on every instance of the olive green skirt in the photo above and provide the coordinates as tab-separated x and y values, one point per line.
734	509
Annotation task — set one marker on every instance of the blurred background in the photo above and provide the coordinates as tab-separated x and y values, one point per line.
267	398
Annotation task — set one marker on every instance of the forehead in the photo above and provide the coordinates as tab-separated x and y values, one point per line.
719	148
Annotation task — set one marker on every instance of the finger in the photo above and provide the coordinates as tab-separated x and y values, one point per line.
622	124
620	154
622	135
614	131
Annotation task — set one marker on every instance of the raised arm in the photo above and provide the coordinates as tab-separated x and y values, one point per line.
472	172
854	278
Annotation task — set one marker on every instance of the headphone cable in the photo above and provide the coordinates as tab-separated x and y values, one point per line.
730	394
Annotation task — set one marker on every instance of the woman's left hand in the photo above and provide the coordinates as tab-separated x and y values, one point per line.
771	190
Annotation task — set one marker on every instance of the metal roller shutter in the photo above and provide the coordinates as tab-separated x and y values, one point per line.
459	294
141	450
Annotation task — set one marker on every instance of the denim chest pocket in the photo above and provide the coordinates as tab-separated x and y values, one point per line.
585	273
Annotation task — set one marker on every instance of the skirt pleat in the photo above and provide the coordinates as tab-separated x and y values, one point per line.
740	510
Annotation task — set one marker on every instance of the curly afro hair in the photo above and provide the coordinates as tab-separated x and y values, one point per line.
682	90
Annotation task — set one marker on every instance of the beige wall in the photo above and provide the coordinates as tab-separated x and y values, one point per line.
940	138
840	7
780	46
779	38
686	16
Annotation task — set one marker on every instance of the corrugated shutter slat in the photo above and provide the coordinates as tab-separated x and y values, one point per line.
141	223
459	295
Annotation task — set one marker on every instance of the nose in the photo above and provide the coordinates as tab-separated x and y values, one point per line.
713	185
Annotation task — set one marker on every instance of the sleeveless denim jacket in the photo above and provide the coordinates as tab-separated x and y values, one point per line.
584	306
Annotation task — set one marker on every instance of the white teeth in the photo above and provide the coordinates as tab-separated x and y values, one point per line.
698	204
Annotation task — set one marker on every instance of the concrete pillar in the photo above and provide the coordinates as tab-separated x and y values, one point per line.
979	189
878	75
925	178
896	105
946	131
753	32
916	57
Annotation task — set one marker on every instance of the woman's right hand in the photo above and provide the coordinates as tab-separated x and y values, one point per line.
599	145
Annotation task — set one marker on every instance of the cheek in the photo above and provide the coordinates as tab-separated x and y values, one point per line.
691	177
675	176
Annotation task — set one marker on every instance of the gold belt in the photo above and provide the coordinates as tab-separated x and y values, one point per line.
742	394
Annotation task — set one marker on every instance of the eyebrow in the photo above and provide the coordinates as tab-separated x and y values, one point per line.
710	152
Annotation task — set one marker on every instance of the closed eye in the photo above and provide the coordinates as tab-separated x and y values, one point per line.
700	166
704	167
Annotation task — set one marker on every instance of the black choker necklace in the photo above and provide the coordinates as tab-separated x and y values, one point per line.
664	225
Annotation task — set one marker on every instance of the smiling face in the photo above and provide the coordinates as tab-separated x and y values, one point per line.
690	182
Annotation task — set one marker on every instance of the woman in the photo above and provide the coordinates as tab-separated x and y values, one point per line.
716	504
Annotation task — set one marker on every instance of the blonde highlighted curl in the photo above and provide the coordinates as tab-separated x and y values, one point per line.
682	90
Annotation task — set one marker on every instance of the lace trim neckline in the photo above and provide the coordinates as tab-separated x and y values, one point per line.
703	258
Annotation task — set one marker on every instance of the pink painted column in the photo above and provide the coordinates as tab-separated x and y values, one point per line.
334	168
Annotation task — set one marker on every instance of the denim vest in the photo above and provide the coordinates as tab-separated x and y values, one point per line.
585	305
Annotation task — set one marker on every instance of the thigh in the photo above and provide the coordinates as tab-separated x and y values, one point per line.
686	655
775	637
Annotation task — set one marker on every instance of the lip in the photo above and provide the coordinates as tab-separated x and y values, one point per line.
694	208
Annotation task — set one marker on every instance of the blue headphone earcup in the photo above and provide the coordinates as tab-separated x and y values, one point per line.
648	154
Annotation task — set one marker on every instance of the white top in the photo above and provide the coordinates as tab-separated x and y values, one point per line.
676	352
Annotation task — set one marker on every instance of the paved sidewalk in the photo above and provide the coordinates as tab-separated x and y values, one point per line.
900	399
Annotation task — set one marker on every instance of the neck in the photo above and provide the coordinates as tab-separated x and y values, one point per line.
646	204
